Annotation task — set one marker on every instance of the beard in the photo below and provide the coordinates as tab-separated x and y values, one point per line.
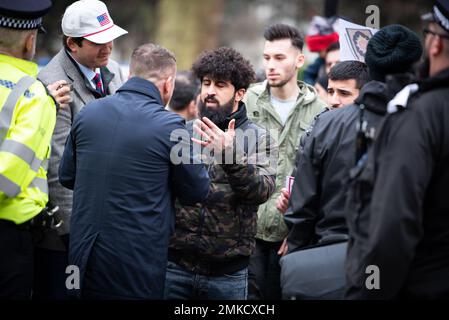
219	114
278	83
290	72
423	69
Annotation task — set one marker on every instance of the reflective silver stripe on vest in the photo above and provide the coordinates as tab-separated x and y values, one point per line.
45	164
8	108
23	152
41	184
8	187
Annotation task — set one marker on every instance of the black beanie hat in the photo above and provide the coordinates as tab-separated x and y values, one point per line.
393	49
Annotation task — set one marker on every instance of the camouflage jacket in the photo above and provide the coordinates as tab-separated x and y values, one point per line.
218	235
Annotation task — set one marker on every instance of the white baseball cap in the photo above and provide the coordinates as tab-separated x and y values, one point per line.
90	19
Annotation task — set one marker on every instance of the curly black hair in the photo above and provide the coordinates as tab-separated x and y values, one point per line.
225	64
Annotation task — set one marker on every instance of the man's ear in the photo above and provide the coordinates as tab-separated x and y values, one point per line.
72	44
193	110
169	85
300	59
240	94
29	46
437	47
29	41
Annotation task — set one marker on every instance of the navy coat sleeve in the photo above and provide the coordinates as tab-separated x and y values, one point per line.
67	166
190	179
191	183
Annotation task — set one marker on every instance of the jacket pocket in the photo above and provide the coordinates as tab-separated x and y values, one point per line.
304	125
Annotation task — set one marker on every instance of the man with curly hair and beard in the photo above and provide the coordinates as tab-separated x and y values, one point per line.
213	240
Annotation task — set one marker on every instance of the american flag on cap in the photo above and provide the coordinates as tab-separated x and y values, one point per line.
103	19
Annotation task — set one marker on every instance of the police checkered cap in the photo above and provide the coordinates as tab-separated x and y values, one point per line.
441	18
23	14
439	14
16	23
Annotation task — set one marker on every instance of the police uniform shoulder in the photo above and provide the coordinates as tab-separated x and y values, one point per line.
335	115
326	109
37	88
320	121
37	95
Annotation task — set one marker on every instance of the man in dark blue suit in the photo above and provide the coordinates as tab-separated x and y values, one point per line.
117	161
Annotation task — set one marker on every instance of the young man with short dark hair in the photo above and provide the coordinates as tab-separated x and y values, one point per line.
288	106
183	101
332	56
345	81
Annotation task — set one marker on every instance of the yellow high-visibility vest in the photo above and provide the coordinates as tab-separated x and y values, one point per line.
27	120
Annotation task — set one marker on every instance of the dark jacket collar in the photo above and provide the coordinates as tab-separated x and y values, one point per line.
142	86
375	95
106	77
239	116
440	79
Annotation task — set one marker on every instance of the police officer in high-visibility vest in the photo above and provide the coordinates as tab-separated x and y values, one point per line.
27	120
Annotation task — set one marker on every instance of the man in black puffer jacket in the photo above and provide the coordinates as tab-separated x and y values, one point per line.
317	216
400	228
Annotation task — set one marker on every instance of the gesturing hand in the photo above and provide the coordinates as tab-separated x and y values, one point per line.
213	136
